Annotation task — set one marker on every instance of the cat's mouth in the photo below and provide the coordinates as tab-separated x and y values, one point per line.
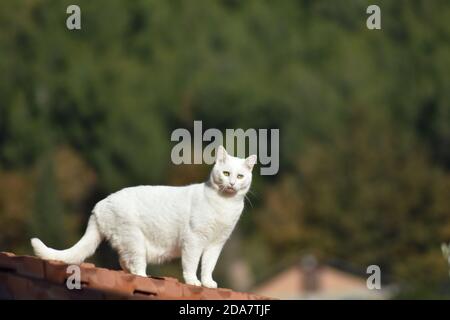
229	190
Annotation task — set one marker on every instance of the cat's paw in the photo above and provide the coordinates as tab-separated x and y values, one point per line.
209	283
194	282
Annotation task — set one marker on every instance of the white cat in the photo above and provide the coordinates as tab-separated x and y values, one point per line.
152	224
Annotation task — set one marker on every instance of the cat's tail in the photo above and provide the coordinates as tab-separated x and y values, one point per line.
83	249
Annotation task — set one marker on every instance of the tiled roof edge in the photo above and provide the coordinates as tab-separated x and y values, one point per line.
27	277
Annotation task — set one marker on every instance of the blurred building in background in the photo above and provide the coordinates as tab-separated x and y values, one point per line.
307	279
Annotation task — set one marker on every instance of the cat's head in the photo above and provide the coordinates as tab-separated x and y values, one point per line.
231	175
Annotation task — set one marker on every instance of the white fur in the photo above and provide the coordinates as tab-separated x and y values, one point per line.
152	224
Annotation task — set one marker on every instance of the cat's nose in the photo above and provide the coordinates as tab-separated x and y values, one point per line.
232	183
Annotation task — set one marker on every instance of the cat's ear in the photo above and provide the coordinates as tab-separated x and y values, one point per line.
221	154
251	161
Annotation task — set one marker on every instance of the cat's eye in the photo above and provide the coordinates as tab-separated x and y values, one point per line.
226	173
240	176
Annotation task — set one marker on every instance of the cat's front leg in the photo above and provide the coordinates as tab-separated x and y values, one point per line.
209	260
190	258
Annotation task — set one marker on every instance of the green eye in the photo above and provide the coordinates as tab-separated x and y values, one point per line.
240	176
226	173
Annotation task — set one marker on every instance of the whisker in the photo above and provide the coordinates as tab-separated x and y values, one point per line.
251	192
248	199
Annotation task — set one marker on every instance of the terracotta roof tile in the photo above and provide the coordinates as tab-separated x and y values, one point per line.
26	277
